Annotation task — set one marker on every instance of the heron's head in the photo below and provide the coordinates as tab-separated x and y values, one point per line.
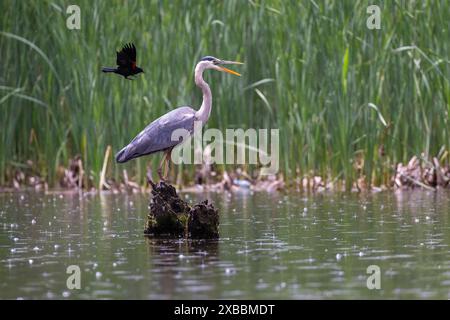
210	62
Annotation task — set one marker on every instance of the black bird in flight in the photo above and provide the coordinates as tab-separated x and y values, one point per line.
126	62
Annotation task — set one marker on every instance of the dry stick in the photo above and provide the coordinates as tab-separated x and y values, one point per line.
423	185
125	178
441	179
80	178
418	156
103	173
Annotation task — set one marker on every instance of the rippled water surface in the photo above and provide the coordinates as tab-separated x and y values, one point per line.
272	246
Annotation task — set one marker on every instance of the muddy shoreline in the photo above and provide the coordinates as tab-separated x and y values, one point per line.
418	173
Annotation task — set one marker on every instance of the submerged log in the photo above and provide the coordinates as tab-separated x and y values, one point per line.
171	216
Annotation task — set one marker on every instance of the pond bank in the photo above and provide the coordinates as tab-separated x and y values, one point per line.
417	173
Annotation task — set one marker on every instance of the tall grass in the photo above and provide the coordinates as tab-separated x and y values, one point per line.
320	66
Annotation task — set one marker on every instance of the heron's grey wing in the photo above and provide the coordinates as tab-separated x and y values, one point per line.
157	136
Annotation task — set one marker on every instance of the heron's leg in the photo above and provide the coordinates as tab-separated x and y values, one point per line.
167	166
160	173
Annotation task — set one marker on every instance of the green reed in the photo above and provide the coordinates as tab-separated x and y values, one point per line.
312	69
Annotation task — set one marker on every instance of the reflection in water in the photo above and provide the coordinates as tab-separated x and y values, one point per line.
175	260
272	246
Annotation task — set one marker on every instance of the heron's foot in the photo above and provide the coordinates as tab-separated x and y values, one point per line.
165	179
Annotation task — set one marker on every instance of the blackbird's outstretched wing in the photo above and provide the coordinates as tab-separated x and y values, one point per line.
126	58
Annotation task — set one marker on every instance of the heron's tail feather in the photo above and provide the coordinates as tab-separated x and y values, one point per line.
104	69
122	155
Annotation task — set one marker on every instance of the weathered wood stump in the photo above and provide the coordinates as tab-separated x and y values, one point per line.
171	216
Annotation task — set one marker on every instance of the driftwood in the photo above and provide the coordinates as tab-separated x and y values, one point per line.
421	173
171	216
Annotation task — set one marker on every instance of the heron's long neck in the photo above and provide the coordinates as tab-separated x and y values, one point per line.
203	113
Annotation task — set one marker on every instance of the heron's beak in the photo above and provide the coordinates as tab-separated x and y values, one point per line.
228	70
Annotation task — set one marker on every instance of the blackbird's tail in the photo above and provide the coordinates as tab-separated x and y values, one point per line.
108	69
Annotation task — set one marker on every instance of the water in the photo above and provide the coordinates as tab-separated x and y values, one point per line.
272	246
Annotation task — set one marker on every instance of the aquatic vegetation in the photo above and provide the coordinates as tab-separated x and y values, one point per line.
350	103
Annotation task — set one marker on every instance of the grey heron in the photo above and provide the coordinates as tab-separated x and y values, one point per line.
157	136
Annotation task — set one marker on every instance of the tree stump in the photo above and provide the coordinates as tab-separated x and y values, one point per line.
171	216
